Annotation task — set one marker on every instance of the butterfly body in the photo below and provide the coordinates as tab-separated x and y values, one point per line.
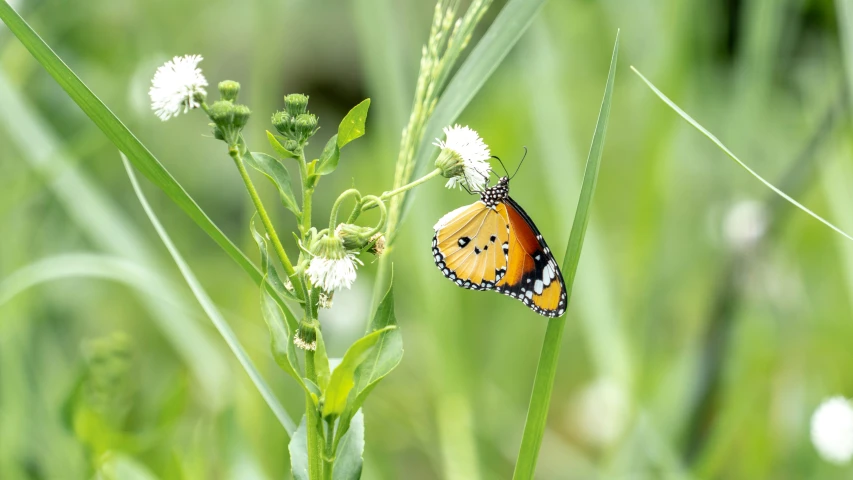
493	244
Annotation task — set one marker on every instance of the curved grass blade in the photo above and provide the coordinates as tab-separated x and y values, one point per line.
121	136
734	157
210	309
546	371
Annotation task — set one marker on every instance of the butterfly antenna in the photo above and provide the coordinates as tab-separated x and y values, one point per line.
502	164
519	163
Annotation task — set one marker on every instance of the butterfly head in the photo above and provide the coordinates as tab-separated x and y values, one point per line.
497	194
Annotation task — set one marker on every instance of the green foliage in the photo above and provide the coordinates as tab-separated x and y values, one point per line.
278	175
352	126
343	376
348	457
279	148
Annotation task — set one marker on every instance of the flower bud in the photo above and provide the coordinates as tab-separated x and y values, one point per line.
306	125
296	104
241	116
228	90
283	122
222	114
306	335
291	145
450	162
354	237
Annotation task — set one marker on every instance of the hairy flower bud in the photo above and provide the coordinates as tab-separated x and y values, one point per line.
296	104
228	90
306	336
222	114
241	116
306	125
283	122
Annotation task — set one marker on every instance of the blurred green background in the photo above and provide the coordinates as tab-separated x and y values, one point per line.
708	318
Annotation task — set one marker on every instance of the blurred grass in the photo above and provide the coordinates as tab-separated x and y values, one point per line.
759	74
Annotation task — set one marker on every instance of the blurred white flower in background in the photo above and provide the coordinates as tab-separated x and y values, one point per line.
832	430
744	224
600	412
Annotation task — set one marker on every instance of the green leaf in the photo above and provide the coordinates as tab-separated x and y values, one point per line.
352	126
279	148
121	136
734	157
298	448
546	371
384	356
321	363
282	328
329	158
278	175
212	312
349	456
342	380
267	267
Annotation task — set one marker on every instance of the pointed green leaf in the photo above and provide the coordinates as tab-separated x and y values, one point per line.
282	329
352	126
279	148
384	356
298	448
278	175
342	380
267	267
329	158
321	363
546	371
349	457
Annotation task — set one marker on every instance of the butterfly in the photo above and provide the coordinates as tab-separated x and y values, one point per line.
493	244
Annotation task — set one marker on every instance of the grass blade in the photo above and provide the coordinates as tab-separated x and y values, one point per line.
546	371
121	136
734	157
210	309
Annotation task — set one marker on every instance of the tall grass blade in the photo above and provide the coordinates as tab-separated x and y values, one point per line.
546	371
210	309
121	136
734	157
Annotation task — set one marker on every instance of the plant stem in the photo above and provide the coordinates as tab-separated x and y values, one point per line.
259	206
307	193
329	457
314	445
333	217
411	185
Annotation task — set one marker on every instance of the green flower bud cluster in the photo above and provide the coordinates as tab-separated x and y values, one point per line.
229	118
295	123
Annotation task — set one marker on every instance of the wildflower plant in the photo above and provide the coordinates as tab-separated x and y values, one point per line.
330	435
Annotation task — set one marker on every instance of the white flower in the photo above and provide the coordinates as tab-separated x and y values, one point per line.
465	144
832	430
601	411
177	85
333	273
744	224
303	344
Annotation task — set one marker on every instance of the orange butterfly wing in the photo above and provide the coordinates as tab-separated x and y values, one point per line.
532	273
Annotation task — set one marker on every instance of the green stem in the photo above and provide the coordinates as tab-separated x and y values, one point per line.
383	215
329	457
333	217
262	212
307	192
312	420
397	191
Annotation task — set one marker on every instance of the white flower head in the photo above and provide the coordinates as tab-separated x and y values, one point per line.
464	158
177	85
332	267
832	430
304	345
